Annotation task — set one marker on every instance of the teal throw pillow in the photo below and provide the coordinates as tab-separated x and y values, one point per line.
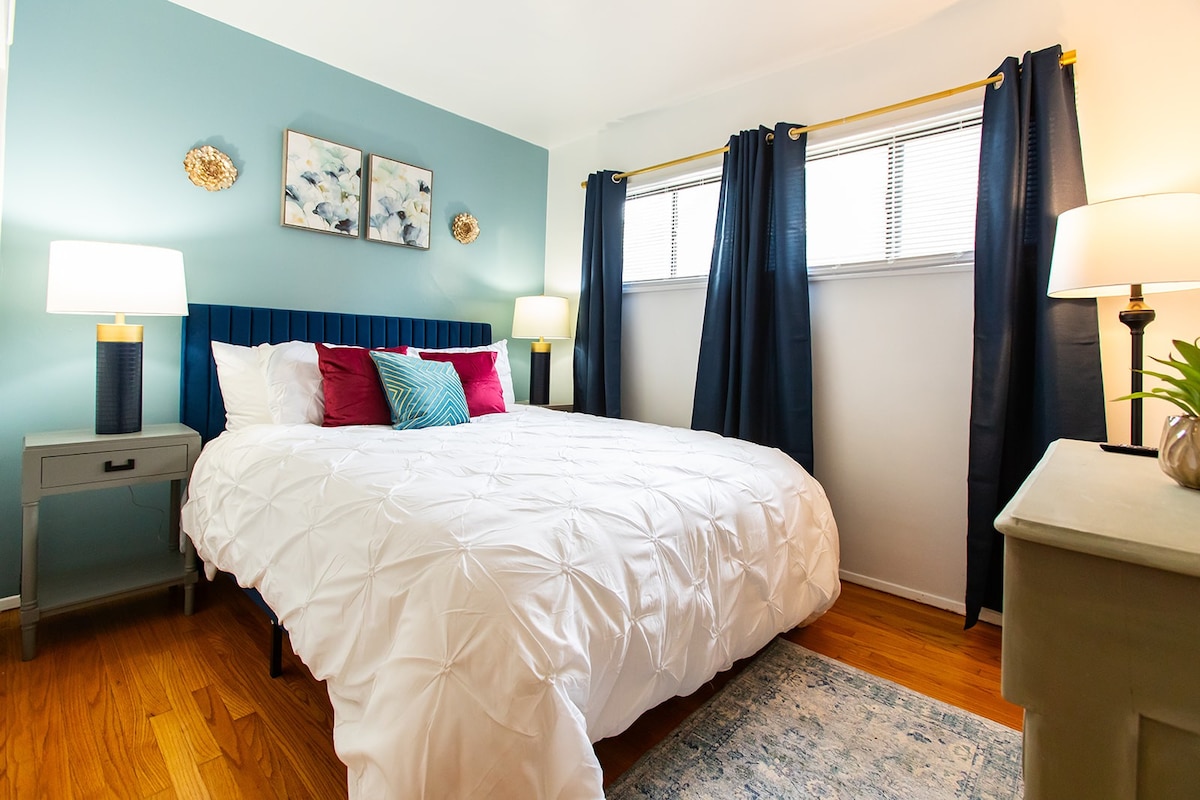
421	394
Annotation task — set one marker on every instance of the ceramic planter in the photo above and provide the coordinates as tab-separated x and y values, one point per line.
1179	450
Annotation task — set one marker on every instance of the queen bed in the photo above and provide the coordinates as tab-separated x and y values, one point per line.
485	600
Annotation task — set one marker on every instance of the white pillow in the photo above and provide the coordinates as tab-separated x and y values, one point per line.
241	374
269	384
293	384
503	370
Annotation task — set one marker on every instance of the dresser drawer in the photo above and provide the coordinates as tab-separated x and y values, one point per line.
115	465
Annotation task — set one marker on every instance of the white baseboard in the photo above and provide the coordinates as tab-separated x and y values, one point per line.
944	603
9	603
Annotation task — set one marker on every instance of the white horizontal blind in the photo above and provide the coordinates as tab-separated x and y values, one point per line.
669	228
883	202
904	199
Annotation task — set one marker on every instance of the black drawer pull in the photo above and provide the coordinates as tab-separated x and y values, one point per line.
111	467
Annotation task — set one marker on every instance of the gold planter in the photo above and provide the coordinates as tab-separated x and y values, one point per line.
1179	450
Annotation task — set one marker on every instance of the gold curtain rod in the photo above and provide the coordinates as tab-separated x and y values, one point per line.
1064	60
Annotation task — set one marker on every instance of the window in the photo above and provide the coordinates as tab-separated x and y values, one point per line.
669	228
901	199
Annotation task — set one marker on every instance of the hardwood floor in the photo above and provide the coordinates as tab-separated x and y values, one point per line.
135	700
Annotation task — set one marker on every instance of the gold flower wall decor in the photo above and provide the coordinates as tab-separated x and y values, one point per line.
465	228
209	168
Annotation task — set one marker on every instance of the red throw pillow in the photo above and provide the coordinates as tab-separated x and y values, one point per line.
481	384
353	392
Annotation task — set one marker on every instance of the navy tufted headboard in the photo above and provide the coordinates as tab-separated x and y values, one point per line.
200	405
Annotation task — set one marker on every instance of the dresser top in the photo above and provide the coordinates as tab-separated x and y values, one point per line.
1112	505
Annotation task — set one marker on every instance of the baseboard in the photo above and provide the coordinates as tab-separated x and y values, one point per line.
944	603
9	603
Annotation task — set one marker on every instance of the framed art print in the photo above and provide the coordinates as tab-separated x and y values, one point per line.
398	203
322	185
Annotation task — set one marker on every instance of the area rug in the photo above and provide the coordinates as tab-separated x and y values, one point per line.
795	724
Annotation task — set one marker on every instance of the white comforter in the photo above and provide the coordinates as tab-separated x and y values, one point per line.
486	600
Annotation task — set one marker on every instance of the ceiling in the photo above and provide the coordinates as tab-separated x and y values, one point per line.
553	71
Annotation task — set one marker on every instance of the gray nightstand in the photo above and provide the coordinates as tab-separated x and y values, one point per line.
75	461
551	406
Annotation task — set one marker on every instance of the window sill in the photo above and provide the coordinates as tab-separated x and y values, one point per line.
666	284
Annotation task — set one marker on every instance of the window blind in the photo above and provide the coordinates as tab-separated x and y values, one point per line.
669	228
888	201
899	200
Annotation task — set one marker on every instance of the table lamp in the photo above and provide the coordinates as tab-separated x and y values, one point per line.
540	318
1148	243
118	279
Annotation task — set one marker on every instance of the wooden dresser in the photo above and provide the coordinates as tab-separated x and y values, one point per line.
1101	640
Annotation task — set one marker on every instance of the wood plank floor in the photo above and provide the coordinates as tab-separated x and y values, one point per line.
135	700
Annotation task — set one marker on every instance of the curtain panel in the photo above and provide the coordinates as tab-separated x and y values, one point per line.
1036	374
754	376
597	367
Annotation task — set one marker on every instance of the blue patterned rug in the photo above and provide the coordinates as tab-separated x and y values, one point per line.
795	724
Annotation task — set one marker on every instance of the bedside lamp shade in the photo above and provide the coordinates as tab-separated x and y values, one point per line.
540	317
1147	243
1153	240
117	279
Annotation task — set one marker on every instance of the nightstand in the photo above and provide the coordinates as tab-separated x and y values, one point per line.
1101	588
80	460
551	406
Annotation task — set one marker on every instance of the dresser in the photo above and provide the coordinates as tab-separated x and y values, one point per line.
1101	641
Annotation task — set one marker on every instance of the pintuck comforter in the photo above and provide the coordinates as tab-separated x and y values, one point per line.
486	600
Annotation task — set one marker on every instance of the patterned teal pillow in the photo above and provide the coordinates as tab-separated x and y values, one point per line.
421	394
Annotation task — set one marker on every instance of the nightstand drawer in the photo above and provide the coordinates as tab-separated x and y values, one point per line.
113	465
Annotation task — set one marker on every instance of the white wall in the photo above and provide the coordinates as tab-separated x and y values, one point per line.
893	354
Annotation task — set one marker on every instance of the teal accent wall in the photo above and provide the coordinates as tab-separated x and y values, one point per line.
104	100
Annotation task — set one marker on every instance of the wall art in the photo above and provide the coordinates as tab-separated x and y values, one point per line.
322	185
209	168
465	228
398	203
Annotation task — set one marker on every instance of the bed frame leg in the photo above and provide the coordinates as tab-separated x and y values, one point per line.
276	649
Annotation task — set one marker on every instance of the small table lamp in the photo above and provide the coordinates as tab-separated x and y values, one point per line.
119	279
540	318
1146	243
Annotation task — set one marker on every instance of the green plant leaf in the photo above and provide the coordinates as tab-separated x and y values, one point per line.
1190	352
1188	405
1186	387
1189	372
1185	393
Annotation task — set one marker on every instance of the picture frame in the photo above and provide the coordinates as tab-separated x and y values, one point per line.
322	185
399	200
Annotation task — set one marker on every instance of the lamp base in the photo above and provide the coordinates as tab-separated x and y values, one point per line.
539	375
1136	316
118	378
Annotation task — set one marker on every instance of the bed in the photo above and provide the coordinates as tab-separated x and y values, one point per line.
486	600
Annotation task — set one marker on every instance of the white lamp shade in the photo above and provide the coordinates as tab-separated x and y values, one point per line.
541	317
1102	249
104	278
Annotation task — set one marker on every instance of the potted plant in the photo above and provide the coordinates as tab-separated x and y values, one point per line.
1179	449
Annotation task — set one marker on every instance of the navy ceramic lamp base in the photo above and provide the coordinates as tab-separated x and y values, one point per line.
539	374
118	379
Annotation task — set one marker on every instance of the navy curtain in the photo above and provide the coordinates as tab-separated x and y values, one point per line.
1037	360
598	329
754	377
